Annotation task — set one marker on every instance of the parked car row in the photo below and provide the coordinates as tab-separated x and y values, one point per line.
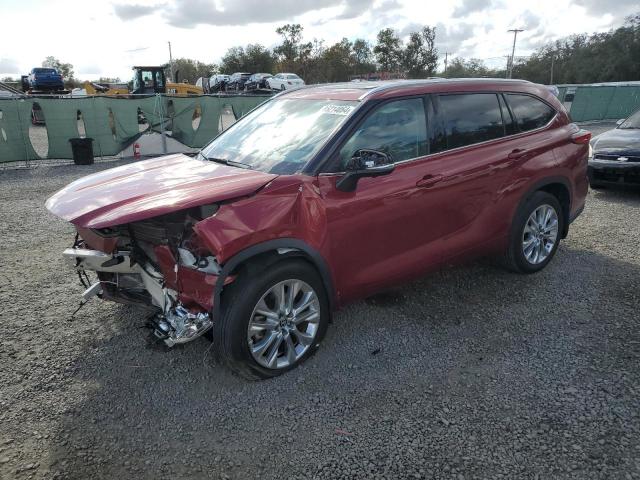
244	81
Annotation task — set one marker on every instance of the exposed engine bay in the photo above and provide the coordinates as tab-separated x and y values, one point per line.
158	262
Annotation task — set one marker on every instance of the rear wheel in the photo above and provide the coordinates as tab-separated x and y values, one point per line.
535	233
271	321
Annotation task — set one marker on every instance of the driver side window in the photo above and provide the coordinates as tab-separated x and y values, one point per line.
397	128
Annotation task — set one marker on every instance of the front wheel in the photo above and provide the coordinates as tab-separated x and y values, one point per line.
535	233
272	320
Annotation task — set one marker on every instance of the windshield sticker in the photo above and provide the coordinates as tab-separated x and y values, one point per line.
337	109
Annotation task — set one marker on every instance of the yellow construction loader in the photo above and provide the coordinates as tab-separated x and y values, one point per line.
146	80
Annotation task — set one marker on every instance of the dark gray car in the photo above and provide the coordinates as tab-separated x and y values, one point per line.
615	155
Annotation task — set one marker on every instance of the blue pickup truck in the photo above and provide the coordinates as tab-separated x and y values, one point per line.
42	78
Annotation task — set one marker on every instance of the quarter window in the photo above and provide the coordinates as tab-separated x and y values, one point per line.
465	119
530	112
397	128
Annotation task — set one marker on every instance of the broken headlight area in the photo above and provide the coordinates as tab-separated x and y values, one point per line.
160	263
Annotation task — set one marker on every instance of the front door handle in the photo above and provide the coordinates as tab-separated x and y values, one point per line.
429	181
517	153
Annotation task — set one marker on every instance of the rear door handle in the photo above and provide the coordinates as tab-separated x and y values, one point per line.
429	181
517	153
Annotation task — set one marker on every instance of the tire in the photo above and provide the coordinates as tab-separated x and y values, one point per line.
530	250
233	340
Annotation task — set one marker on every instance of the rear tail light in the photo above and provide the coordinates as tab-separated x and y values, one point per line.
581	137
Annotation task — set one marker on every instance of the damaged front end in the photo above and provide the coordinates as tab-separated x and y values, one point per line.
160	263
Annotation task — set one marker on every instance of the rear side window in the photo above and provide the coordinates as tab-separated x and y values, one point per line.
530	113
465	119
398	128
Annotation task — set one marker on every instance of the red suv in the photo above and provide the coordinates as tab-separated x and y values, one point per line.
322	196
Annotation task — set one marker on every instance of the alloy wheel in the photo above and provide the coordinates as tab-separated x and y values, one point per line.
284	324
540	234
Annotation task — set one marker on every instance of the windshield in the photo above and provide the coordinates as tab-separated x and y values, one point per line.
281	136
632	122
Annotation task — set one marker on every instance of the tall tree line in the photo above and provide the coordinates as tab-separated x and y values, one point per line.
583	58
317	63
612	56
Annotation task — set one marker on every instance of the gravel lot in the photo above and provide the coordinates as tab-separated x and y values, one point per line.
471	372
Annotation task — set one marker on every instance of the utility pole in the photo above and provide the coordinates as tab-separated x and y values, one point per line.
552	62
446	61
513	50
170	62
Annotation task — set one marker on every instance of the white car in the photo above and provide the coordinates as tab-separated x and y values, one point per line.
284	81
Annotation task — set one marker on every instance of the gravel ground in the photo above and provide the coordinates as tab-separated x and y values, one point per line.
471	372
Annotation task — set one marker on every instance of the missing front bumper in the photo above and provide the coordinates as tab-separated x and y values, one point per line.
174	323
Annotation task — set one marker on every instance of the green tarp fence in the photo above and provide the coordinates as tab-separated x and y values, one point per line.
113	123
604	102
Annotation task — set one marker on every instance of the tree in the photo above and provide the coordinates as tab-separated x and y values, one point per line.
233	60
388	50
258	59
363	57
600	57
474	67
64	69
190	70
420	57
254	58
338	61
290	50
314	69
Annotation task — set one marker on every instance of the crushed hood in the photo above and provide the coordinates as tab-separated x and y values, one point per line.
618	140
150	188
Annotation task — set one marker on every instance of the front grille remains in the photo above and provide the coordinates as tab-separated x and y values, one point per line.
615	156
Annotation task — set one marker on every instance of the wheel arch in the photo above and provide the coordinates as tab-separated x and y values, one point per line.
271	251
559	187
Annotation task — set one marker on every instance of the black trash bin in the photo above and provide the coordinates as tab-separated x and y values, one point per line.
82	149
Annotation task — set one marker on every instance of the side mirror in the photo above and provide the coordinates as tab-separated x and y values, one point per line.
365	163
620	122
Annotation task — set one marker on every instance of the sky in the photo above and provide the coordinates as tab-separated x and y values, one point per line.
105	38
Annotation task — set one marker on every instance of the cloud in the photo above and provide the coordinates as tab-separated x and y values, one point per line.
450	38
189	13
88	69
409	28
9	66
618	8
354	8
469	6
528	20
132	11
